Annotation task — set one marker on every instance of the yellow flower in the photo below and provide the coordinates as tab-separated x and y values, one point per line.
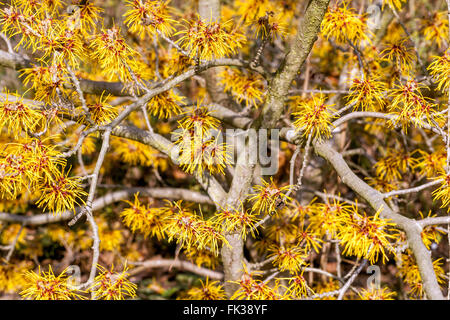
12	232
367	94
268	196
251	288
397	52
165	105
11	276
101	112
314	117
207	291
443	192
60	194
46	286
436	28
430	234
376	294
270	25
145	219
136	153
149	17
409	100
110	285
431	164
327	218
16	116
114	54
244	87
345	25
288	258
396	4
236	221
365	236
190	229
298	287
46	81
381	184
411	274
204	258
209	39
393	164
440	70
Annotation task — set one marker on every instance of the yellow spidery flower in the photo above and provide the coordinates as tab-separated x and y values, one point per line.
310	238
206	40
436	28
46	81
60	194
149	17
11	276
314	117
430	234
110	285
281	228
394	164
10	233
268	196
251	288
343	24
172	61
199	118
101	112
443	192
199	151
16	116
88	16
204	258
365	236
243	87
381	184
236	221
327	218
396	4
397	52
190	229
431	164
288	257
28	165
136	153
298	287
114	54
252	9
440	70
145	219
301	211
411	274
199	143
270	26
367	94
409	100
376	294
165	105
62	44
110	239
207	291
46	286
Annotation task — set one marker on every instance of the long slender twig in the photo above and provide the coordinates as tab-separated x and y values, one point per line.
13	244
352	278
411	190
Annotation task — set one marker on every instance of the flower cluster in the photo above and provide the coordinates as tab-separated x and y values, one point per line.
206	40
